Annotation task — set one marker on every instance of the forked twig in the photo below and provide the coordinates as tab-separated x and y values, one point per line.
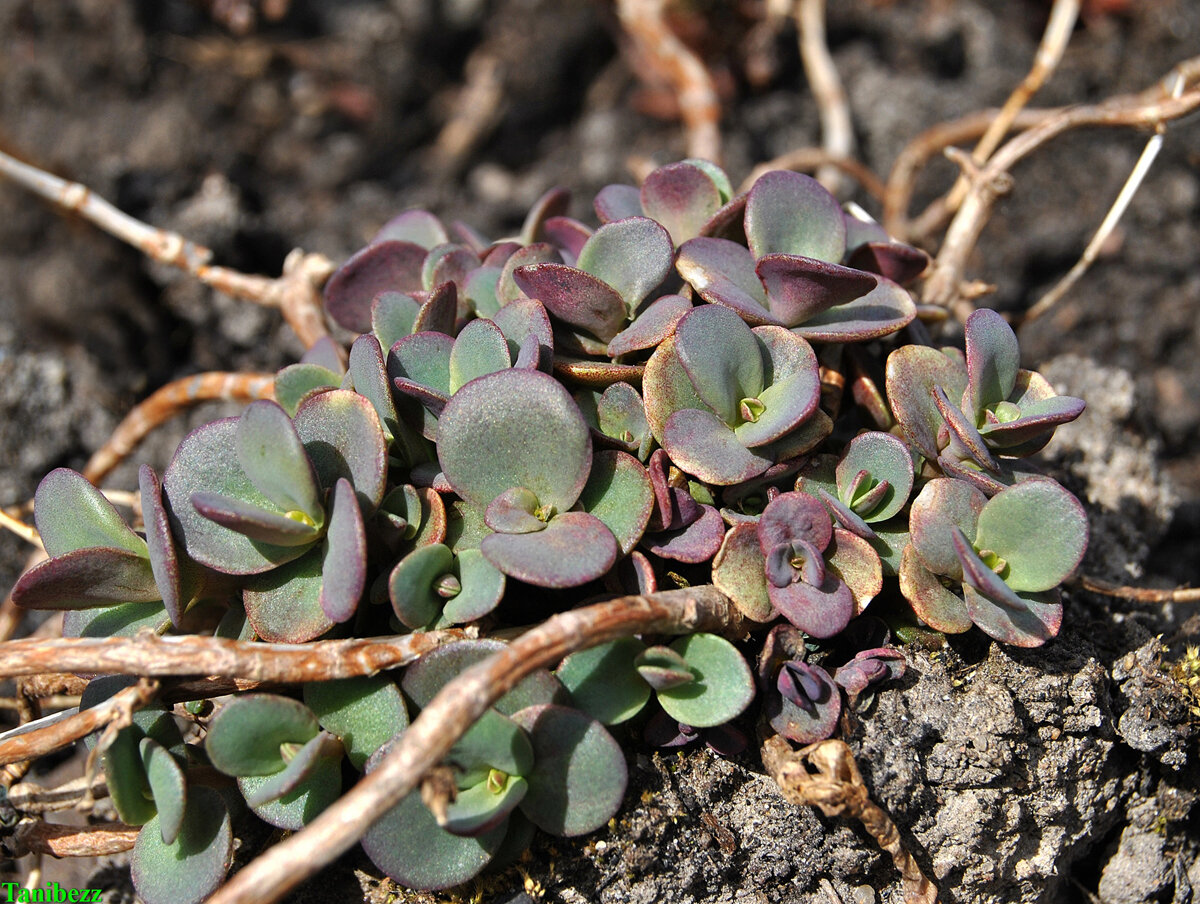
1140	594
837	131
837	788
699	104
168	401
455	708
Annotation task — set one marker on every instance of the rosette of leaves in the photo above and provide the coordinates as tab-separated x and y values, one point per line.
869	669
681	528
967	413
282	500
1009	553
435	587
800	701
515	447
683	197
110	579
185	844
700	680
791	274
795	563
866	489
530	761
726	401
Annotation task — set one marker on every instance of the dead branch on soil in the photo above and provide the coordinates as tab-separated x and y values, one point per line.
37	837
1148	109
836	787
30	799
695	89
1139	594
168	401
837	131
448	716
297	293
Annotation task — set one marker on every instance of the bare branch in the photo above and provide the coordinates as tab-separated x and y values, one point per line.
168	401
1139	594
455	708
809	159
699	104
30	799
26	532
837	131
37	837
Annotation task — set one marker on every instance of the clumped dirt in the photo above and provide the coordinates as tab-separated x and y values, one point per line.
1014	776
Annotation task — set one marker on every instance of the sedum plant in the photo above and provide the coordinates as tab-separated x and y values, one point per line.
524	424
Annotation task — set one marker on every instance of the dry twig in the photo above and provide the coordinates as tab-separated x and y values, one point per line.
455	708
699	104
837	131
1140	594
837	788
29	799
37	837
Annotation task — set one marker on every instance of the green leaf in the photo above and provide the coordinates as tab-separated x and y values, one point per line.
603	681
245	735
297	382
482	589
343	438
271	454
993	360
633	256
791	213
427	675
574	548
284	605
479	349
364	712
484	805
189	869
304	803
943	505
723	686
411	586
72	514
721	357
1039	529
618	492
739	572
167	787
322	751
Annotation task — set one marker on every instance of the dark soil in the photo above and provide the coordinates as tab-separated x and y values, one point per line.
1045	776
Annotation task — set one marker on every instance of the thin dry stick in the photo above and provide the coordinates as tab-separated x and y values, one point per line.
837	131
1120	205
193	654
448	716
699	104
168	401
1147	110
1050	51
60	730
809	159
20	528
1140	594
10	615
837	788
30	799
37	837
296	293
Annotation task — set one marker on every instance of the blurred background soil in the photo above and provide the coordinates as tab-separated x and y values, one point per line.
312	130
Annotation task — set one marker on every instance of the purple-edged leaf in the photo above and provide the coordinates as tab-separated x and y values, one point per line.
885	458
326	353
343	438
302	804
632	574
425	677
364	713
514	512
970	472
369	374
344	569
483	806
861	228
592	373
943	505
845	515
533	434
72	514
521	319
892	260
819	611
791	213
568	234
794	516
870	668
855	561
164	558
682	197
449	263
738	573
604	682
412	586
323	748
167	787
1036	422
728	222
695	543
799	288
653	325
393	316
704	446
424	359
551	204
1030	625
965	442
912	373
723	272
715	174
389	265
86	578
793	387
297	382
666	387
662	668
809	709
271	454
193	866
123	620
620	413
480	291
417	226
574	548
580	777
507	290
479	349
259	524
440	310
245	734
890	538
617	202
1039	529
881	312
993	359
284	605
798	560
722	686
978	574
721	357
575	297
674	507
934	604
482	588
618	492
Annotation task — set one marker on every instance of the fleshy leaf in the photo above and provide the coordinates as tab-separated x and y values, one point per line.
723	686
72	514
284	605
484	805
1039	529
738	572
305	802
704	446
261	525
344	563
494	741
365	713
390	265
1030	625
855	561
482	588
663	668
943	505
682	197
692	544
666	387
167	787
653	325
427	675
912	373
369	373
820	611
618	492
412	585
966	444
892	260
993	359
164	558
575	297
885	458
320	750
343	437
633	256
799	288
881	312
417	226
574	548
794	516
479	349
515	511
603	681
617	202
580	777
551	204
245	735
297	382
86	578
722	358
791	213
393	316
568	234
792	392
189	869
271	454
723	272
810	709
937	606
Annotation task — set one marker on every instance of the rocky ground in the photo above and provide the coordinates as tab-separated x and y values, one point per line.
1062	774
